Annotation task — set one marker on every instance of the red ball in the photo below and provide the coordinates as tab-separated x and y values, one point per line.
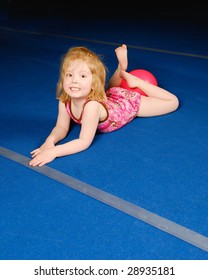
142	74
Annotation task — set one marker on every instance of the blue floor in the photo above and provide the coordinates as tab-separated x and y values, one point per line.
159	164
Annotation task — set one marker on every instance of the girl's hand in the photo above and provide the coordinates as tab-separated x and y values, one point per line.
42	148
42	156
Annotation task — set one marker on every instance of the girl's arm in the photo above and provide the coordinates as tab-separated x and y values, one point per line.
61	129
89	125
58	133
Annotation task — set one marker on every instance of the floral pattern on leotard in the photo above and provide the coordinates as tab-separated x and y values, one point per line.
122	106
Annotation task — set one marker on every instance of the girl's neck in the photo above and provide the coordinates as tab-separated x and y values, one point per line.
78	102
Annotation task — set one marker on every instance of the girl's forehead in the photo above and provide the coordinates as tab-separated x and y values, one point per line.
78	64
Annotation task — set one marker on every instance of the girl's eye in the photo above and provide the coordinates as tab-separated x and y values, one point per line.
68	75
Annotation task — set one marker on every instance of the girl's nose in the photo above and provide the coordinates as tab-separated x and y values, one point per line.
74	79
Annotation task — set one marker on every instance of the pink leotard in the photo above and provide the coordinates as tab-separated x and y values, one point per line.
122	105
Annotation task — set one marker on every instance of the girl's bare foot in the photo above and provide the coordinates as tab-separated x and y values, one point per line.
121	53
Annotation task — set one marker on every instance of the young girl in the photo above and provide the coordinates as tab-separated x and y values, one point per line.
82	98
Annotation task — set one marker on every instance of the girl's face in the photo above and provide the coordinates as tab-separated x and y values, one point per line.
77	81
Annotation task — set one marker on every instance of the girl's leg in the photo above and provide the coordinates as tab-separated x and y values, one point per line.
121	53
158	100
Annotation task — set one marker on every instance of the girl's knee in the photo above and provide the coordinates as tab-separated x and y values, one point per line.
175	103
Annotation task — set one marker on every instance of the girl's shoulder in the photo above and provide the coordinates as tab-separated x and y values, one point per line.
93	105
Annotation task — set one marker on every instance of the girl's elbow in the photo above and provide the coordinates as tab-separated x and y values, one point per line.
86	144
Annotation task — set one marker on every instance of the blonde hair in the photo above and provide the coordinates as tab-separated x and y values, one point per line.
96	66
